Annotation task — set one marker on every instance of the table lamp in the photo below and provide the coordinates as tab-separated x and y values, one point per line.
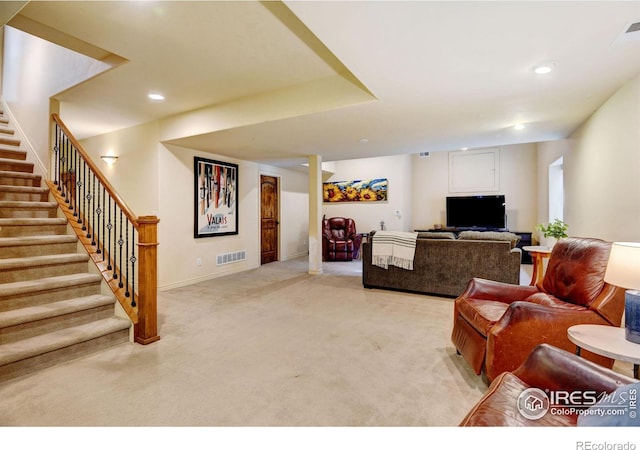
623	270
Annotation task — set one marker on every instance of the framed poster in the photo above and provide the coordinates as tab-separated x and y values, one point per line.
216	198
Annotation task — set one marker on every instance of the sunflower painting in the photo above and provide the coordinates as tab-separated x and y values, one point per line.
355	191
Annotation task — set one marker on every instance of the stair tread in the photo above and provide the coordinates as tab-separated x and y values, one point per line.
26	204
45	343
33	313
10	173
24	189
49	283
37	240
35	221
9	141
14	161
41	260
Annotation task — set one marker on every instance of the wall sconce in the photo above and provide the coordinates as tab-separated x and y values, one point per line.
109	159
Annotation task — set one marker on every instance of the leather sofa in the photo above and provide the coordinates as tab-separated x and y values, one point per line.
497	325
340	241
444	264
549	369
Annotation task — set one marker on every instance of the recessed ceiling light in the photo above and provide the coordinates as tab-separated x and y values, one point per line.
518	126
464	149
156	97
544	68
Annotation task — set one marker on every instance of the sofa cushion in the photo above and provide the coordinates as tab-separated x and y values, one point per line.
483	314
575	272
338	234
542	298
490	236
436	235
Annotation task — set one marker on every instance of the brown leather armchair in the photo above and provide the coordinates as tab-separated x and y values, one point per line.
340	242
497	325
547	368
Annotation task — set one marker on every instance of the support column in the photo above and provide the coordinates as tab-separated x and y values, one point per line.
315	214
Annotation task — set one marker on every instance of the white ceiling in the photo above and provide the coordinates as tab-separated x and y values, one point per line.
274	82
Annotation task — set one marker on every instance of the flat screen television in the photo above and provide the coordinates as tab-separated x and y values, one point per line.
476	211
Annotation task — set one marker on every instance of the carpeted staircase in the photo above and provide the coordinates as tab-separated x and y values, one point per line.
51	306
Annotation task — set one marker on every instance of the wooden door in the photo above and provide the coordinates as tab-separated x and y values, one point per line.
269	218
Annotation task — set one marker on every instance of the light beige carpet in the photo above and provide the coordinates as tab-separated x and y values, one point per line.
268	347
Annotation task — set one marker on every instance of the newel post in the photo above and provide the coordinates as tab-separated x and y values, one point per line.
146	330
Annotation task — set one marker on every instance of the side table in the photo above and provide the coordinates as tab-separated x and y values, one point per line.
607	341
365	238
538	253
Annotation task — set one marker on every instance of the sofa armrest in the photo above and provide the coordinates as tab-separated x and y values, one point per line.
549	367
494	290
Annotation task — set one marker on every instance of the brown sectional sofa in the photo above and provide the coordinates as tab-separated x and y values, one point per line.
444	264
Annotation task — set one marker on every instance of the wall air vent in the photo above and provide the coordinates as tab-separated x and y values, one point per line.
231	257
424	154
631	33
633	28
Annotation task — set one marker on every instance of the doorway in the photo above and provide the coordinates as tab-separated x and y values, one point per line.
269	219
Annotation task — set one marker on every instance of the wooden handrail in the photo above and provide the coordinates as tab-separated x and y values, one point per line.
110	189
110	251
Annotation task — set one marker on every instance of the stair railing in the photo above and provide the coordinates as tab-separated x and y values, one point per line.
122	245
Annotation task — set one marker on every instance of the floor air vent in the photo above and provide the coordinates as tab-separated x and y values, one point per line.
231	257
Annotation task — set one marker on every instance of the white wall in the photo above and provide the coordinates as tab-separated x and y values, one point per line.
602	181
397	169
518	182
156	179
179	250
135	174
33	71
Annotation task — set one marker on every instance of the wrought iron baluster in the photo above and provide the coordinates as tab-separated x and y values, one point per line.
126	255
63	170
83	210
96	231
120	244
92	208
75	184
110	228
104	221
133	260
56	158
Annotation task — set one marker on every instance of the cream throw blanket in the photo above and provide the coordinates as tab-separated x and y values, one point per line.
396	248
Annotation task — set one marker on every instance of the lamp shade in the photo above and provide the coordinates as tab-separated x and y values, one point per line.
623	269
